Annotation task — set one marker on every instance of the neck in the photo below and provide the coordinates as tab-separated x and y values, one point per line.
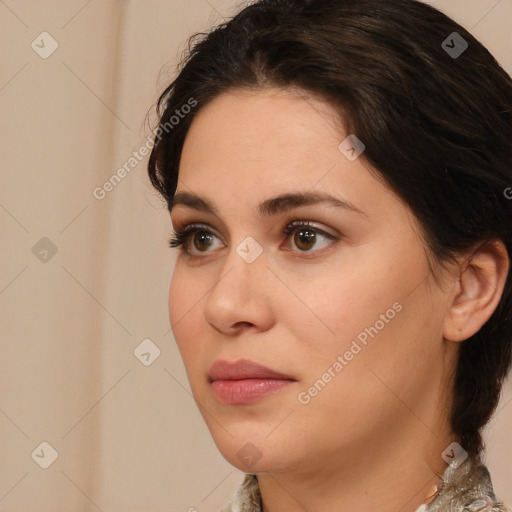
386	475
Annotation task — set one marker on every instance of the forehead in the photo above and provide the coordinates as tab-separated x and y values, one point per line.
247	145
253	126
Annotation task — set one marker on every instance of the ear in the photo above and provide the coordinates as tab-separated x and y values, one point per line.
478	290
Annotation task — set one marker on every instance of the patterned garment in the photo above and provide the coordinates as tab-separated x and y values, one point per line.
467	488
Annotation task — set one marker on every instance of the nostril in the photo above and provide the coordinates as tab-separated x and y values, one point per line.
241	325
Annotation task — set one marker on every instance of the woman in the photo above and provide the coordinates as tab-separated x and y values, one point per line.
338	176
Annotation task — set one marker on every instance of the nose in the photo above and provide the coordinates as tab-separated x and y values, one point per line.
241	298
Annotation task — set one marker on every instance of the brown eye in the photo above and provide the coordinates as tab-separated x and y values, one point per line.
305	239
202	240
195	239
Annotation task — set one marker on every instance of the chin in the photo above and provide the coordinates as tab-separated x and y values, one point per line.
252	458
251	450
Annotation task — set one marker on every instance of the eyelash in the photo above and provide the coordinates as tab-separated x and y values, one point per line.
180	236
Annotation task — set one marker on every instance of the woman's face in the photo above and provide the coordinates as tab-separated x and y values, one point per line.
343	313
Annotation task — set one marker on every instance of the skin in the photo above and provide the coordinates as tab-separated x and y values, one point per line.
372	438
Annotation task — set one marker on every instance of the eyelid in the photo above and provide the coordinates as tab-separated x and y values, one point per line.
191	226
293	225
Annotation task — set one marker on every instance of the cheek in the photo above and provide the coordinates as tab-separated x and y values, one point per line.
341	302
367	299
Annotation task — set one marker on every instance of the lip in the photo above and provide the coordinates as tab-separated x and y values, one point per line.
243	369
243	381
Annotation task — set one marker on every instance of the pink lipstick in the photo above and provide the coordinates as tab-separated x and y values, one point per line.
243	382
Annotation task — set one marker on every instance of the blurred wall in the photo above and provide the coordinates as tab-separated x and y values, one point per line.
95	409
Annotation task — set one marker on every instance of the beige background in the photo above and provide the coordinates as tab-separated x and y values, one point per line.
128	436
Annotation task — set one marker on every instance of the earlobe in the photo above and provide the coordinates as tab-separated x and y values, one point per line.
478	290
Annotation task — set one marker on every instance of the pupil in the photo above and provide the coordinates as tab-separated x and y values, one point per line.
305	239
200	238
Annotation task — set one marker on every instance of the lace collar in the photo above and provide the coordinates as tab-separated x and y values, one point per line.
467	488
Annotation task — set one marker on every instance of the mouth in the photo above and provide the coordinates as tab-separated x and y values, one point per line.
244	382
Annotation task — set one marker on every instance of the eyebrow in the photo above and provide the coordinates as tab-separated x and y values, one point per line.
270	207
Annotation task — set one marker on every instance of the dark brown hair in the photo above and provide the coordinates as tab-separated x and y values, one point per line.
436	124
